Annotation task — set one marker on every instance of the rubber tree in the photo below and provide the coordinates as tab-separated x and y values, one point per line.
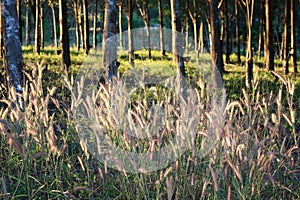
12	46
109	43
129	13
161	26
176	42
144	11
64	35
216	51
269	54
86	26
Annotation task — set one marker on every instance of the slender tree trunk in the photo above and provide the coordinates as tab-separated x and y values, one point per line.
64	35
19	10
95	26
187	25
80	27
216	51
27	26
237	31
12	46
42	26
1	31
86	26
37	39
286	38
77	34
261	31
110	46
293	35
130	36
194	20
249	52
54	26
120	25
145	15
201	37
269	55
227	32
176	43
161	26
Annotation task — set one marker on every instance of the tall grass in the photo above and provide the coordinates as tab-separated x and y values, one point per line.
256	157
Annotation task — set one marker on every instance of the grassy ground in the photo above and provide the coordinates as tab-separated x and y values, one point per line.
257	156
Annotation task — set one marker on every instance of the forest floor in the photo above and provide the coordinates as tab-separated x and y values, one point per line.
256	155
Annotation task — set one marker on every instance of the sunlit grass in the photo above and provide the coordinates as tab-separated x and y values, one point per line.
257	156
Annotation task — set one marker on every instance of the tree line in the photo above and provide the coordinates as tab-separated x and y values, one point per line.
222	27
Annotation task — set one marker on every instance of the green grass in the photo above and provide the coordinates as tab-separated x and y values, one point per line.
257	156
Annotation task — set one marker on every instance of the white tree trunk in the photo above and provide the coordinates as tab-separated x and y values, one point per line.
12	45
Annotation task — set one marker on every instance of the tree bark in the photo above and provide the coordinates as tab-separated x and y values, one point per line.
12	46
144	11
37	37
293	35
19	10
216	51
249	52
42	26
130	36
187	25
269	54
286	38
201	37
193	16
227	32
77	34
27	37
176	43
110	46
95	25
86	27
54	25
120	25
237	31
64	35
161	26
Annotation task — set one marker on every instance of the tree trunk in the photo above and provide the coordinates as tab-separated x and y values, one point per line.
64	35
249	52
269	55
176	43
237	31
12	46
37	39
120	25
42	26
161	26
216	51
187	25
27	39
194	20
19	10
227	32
293	35
144	11
95	26
77	34
80	28
86	27
201	37
110	46
130	36
286	38
54	26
